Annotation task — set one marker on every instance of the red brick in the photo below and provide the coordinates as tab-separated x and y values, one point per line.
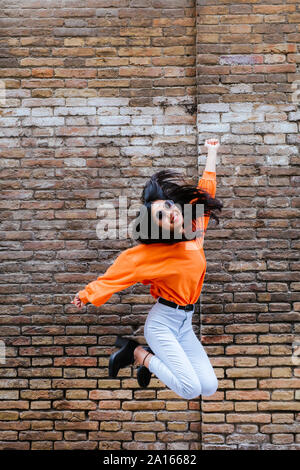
231	65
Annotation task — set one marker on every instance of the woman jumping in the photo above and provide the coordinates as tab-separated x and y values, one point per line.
169	256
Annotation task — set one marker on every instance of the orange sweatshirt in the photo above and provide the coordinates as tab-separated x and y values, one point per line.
175	272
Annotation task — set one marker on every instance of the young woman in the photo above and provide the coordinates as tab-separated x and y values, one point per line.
169	256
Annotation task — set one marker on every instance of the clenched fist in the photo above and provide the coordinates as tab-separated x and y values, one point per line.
212	144
77	302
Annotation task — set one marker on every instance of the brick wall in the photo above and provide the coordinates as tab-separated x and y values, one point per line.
247	62
99	95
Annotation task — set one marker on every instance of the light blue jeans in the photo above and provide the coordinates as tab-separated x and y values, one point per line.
180	360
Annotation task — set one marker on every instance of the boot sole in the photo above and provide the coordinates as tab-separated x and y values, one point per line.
143	373
143	376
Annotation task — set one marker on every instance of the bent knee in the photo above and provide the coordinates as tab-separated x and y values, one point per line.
192	395
210	387
191	391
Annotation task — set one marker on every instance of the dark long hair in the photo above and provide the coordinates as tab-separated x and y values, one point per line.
164	185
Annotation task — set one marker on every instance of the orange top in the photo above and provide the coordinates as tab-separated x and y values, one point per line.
175	272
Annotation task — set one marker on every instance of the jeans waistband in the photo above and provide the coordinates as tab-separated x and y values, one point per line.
186	308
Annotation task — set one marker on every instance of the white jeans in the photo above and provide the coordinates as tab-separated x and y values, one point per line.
180	360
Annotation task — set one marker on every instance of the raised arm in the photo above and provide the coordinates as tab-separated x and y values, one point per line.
208	180
212	146
120	275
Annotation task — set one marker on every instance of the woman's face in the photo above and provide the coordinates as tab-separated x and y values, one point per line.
167	215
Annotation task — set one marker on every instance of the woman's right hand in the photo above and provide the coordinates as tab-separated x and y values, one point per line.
77	302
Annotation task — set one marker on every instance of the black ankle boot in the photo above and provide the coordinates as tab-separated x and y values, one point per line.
143	373
122	358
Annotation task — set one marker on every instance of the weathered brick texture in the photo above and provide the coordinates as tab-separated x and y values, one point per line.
99	94
247	68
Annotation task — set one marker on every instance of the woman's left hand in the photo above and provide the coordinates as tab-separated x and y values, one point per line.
212	144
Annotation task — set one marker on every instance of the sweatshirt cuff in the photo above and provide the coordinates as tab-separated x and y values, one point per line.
83	297
209	175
